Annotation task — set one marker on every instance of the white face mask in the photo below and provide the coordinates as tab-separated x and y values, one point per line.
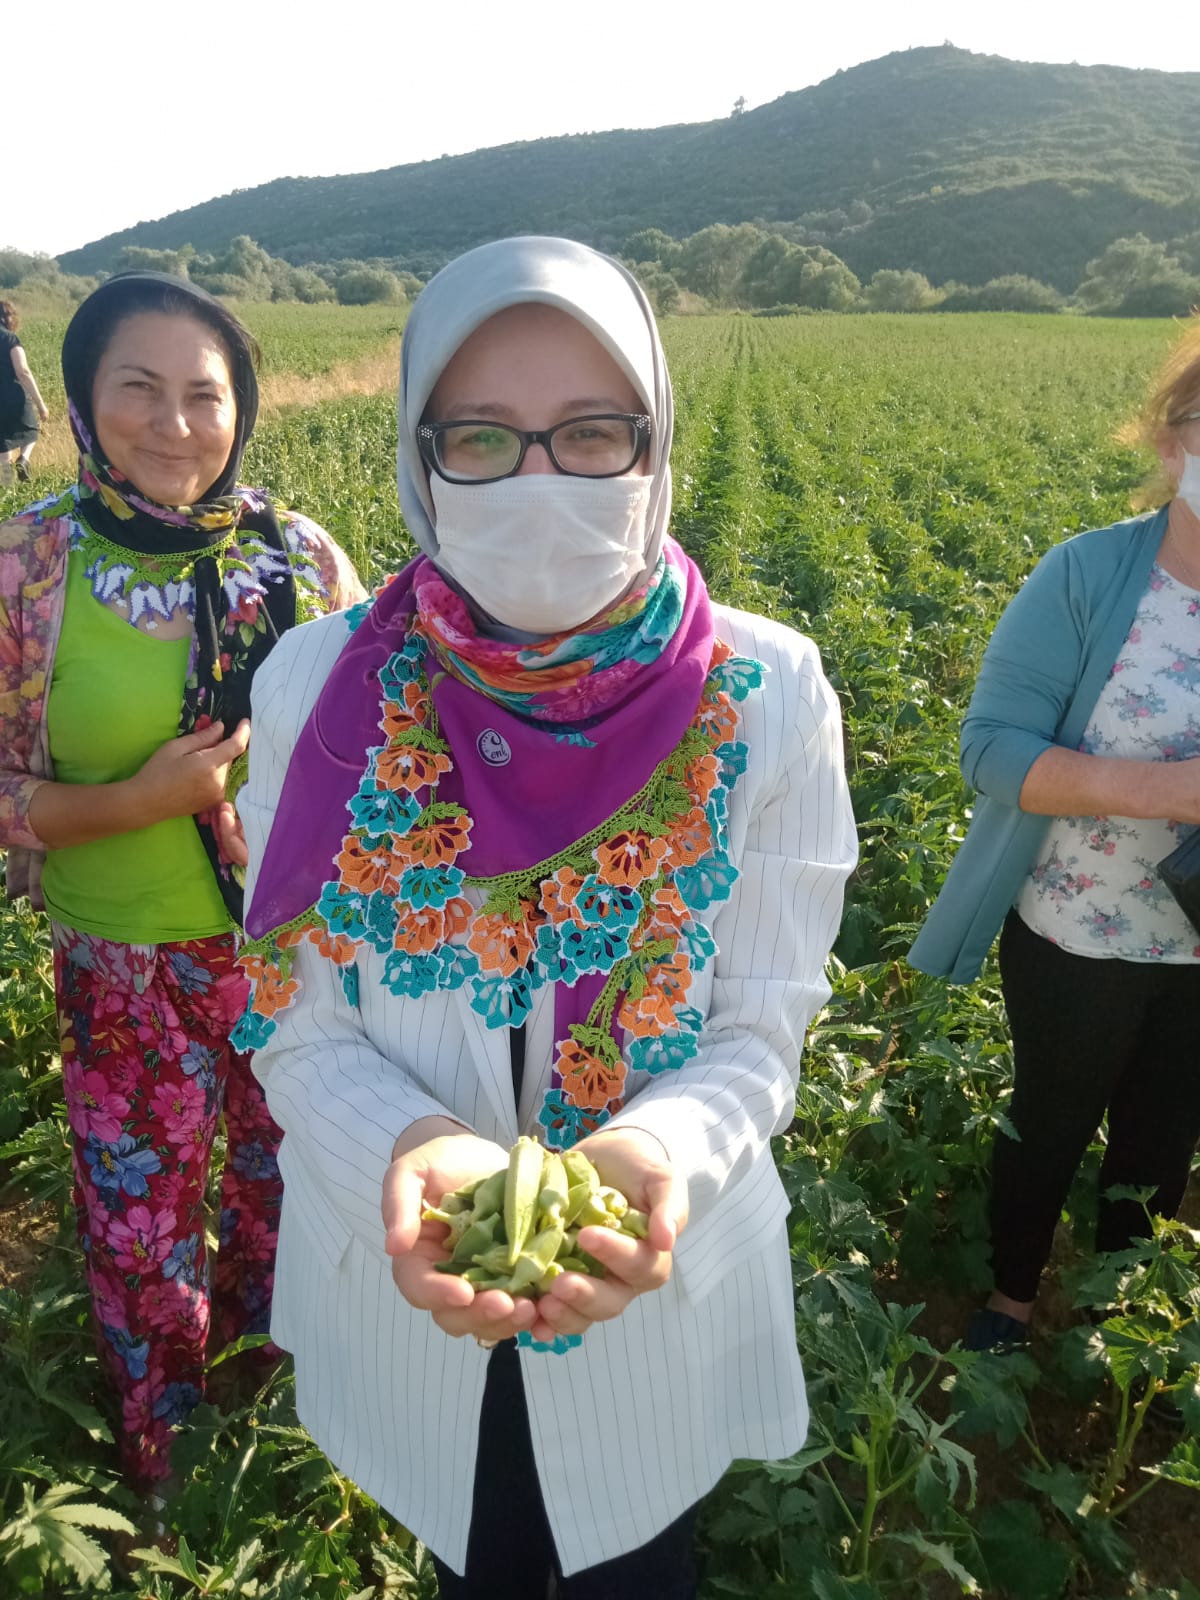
1189	482
543	552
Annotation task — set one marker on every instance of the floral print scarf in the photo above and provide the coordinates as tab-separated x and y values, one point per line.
568	677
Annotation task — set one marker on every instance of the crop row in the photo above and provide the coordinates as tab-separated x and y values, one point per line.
883	484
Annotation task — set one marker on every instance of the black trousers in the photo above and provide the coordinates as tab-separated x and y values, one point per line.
1090	1037
510	1553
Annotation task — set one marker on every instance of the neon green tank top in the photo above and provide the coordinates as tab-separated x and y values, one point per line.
114	699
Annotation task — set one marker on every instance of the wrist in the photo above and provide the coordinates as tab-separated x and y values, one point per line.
655	1149
425	1130
134	804
1165	791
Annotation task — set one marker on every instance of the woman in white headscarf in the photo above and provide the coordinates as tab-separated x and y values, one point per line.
541	842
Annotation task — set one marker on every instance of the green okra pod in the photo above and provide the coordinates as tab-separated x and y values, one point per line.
522	1186
489	1196
635	1223
536	1258
478	1237
518	1229
615	1202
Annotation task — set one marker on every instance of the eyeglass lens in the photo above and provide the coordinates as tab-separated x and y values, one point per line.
588	447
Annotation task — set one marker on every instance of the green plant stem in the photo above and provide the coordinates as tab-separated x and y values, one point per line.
926	1380
1035	1449
862	1553
1131	1499
1118	1461
898	1483
344	1513
837	1494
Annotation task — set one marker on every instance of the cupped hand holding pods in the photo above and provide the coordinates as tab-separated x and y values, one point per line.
635	1164
433	1159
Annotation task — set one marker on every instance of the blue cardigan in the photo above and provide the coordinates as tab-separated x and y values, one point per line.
1040	678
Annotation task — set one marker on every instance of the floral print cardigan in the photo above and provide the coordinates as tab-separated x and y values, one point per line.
33	572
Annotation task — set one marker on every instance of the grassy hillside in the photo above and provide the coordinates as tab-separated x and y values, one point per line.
957	165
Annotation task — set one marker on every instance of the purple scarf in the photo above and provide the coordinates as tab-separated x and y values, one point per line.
529	796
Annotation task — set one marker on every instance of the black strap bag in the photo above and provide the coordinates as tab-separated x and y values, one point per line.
1180	871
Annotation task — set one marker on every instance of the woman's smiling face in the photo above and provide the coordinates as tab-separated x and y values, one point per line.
164	407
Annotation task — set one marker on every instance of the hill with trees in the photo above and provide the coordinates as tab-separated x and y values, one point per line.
938	161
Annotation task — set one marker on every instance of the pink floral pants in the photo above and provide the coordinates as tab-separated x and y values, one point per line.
147	1070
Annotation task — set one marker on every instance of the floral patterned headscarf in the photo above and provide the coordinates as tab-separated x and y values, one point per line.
198	543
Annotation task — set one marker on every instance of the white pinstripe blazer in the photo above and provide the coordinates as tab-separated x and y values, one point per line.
689	1377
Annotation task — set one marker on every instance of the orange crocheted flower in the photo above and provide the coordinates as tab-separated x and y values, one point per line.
667	985
334	946
291	936
702	775
668	912
368	869
689	840
457	914
437	844
411	711
646	1017
716	718
558	895
403	766
420	930
630	857
502	945
252	964
721	653
273	992
589	1081
672	977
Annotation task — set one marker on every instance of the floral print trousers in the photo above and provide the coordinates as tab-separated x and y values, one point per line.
147	1070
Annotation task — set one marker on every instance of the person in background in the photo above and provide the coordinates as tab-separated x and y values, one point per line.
1083	741
21	403
541	842
134	611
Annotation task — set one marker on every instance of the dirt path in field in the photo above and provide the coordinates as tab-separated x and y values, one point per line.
26	1234
376	373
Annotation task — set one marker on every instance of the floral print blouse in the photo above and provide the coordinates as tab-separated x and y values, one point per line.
1095	888
33	570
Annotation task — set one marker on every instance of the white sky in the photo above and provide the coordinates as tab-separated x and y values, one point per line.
129	109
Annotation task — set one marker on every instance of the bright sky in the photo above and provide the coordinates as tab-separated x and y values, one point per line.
129	109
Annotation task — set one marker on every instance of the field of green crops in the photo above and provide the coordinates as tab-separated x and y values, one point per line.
883	484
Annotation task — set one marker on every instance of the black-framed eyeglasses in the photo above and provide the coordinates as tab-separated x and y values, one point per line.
473	451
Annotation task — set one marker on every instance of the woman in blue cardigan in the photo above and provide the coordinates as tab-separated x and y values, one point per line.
1083	741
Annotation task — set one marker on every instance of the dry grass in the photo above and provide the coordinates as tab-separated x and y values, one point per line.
372	374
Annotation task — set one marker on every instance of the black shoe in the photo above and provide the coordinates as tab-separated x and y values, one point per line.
22	467
995	1330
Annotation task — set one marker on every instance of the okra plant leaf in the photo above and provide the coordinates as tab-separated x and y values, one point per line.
797	1466
939	1555
1182	1466
1022	1562
1187	1398
1135	1346
989	1395
830	1586
1067	1491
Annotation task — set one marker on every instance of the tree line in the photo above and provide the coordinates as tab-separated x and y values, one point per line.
242	271
749	267
742	266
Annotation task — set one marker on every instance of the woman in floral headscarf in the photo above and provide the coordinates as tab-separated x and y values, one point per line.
543	842
134	610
